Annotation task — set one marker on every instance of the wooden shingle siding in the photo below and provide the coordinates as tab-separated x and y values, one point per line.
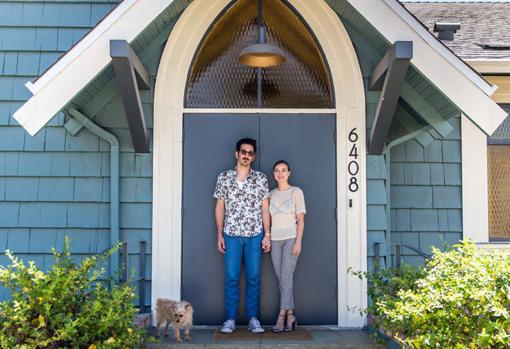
377	209
54	184
426	193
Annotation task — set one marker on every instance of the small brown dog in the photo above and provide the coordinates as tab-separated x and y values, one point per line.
177	314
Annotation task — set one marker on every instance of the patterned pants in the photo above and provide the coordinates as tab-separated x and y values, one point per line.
284	264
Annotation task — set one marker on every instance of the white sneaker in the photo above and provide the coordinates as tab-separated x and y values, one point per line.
254	326
229	326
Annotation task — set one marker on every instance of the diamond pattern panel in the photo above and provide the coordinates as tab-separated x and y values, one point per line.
218	80
499	191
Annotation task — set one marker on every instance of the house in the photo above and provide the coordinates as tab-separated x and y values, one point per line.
482	41
116	118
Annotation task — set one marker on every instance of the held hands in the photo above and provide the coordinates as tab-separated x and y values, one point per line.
296	249
266	243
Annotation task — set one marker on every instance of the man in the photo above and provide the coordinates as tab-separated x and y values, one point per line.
242	209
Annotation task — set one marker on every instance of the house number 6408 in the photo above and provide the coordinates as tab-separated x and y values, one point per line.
353	166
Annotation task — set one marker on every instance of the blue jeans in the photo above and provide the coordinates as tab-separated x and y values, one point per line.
235	248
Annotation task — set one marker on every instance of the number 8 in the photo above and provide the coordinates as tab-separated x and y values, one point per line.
353	183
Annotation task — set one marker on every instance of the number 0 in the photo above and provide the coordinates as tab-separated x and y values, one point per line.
353	168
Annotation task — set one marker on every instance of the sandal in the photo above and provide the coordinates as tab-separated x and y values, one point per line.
280	323
291	324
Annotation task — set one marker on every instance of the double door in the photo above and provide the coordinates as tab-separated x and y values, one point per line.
307	143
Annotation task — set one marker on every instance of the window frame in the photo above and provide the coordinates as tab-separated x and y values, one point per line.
496	142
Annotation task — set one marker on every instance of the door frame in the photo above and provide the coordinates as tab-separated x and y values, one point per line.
310	158
176	61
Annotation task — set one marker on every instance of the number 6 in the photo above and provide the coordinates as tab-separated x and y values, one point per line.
353	136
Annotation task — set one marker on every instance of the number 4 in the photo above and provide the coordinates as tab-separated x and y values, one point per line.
354	151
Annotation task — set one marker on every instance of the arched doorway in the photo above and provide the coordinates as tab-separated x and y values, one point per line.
171	113
217	80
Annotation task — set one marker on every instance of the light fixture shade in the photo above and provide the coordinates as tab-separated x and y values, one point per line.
261	55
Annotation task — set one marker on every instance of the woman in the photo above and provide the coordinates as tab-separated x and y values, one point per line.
287	209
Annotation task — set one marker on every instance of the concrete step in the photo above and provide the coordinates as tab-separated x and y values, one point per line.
321	339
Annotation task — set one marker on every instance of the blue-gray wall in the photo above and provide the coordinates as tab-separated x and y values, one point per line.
377	192
55	184
426	193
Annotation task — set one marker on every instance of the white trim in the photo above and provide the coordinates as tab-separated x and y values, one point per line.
494	66
258	111
64	80
475	201
167	177
77	50
445	70
70	74
493	245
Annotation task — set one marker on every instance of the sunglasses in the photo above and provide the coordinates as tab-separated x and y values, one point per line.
246	152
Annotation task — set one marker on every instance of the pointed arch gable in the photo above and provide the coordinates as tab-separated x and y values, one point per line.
168	116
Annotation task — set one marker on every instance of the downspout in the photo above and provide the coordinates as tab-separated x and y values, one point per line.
114	182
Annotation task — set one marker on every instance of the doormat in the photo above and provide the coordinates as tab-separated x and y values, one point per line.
243	333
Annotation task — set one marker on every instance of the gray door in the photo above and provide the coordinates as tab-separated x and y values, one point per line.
307	143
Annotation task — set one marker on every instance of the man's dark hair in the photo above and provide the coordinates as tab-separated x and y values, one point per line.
249	141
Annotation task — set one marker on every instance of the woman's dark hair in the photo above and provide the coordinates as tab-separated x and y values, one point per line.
249	141
281	162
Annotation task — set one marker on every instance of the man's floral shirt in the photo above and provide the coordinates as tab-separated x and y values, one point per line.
243	207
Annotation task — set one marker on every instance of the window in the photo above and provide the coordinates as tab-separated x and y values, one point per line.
498	157
218	80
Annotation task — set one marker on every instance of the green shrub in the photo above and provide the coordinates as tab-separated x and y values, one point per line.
66	307
461	299
387	282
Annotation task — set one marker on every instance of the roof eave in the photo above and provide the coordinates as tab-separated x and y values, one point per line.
58	86
462	85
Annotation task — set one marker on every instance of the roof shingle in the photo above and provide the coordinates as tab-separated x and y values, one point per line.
481	23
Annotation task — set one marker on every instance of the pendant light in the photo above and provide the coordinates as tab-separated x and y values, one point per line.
261	54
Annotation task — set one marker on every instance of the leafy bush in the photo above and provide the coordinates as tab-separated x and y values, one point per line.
461	299
66	307
384	283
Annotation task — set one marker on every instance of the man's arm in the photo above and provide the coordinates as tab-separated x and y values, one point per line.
219	214
266	222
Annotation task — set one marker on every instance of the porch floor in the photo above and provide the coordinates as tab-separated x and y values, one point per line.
322	338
